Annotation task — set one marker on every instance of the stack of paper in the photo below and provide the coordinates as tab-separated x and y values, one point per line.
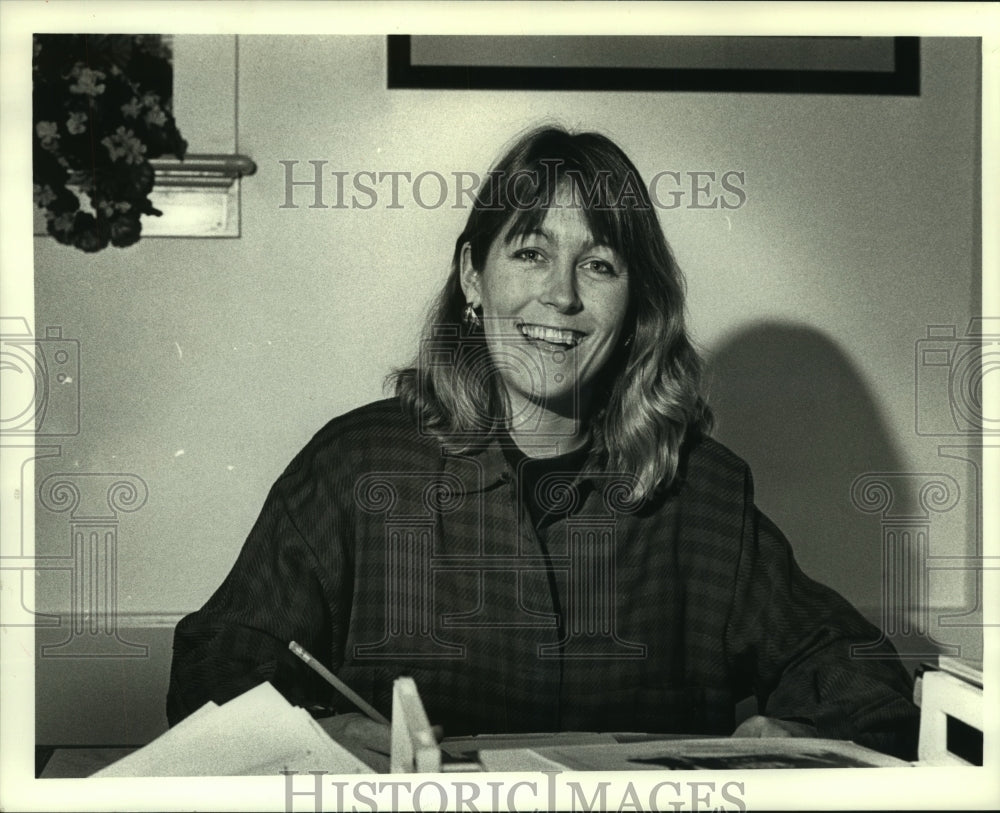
256	734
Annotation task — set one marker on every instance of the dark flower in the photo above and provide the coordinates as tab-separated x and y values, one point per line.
76	122
43	195
88	82
122	143
87	233
131	109
142	178
125	230
61	227
65	201
48	135
156	117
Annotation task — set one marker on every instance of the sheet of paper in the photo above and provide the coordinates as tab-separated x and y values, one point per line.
521	760
258	733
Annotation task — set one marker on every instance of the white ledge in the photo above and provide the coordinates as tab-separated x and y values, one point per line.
204	170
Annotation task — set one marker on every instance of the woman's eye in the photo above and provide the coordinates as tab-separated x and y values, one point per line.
599	267
528	254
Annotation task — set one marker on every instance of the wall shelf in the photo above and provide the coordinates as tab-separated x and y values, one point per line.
199	196
202	171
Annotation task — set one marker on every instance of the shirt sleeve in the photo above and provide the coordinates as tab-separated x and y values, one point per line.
792	639
276	592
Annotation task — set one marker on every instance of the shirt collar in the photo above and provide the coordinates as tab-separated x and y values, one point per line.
483	466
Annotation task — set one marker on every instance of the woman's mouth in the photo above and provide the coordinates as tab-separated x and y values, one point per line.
562	338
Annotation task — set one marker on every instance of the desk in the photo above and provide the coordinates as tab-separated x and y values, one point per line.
587	752
75	762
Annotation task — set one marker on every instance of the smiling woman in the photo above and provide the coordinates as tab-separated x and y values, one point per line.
538	527
563	271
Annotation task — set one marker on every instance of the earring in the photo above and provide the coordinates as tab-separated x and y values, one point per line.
628	340
470	317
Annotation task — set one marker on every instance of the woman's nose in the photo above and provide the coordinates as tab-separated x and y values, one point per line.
561	291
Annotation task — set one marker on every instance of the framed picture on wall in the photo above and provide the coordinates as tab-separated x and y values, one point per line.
888	66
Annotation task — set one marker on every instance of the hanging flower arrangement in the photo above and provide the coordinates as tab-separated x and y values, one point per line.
101	111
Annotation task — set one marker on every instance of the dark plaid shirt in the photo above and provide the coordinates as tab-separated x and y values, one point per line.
384	554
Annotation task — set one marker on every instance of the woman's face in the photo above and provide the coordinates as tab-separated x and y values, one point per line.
554	305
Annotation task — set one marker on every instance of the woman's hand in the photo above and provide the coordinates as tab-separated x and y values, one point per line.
357	729
761	726
367	740
362	736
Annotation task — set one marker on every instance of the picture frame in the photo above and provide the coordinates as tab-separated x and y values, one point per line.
888	66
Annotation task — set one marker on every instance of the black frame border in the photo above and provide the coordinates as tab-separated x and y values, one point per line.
903	80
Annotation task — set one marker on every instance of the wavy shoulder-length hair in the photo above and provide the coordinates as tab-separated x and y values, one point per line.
648	400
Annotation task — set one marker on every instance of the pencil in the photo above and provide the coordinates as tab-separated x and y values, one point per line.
337	683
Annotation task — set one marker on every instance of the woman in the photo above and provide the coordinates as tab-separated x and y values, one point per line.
538	527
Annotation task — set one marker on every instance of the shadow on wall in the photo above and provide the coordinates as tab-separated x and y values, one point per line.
791	403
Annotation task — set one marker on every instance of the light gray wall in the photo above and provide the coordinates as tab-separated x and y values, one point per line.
859	230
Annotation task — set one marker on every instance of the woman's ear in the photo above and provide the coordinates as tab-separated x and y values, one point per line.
470	278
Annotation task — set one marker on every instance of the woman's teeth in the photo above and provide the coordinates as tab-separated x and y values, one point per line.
567	338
